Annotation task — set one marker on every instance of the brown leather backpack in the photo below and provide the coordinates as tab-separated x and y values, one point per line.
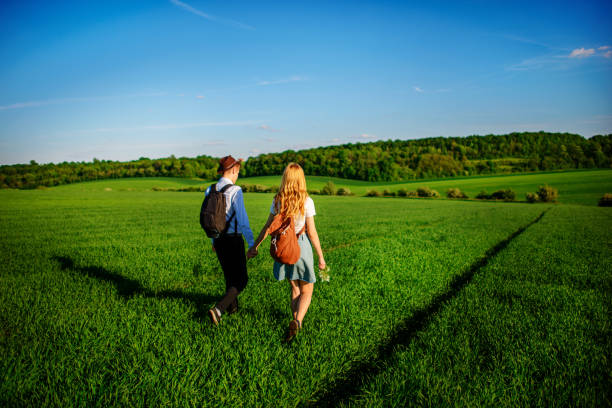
284	247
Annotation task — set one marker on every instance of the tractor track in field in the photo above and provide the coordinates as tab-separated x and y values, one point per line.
345	386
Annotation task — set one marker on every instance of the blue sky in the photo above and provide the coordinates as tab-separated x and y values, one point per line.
123	79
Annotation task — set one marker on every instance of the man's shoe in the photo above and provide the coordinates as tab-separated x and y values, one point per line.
215	317
233	308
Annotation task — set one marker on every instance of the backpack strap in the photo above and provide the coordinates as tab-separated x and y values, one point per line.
302	231
224	189
229	222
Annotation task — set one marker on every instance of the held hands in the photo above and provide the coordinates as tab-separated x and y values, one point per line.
252	252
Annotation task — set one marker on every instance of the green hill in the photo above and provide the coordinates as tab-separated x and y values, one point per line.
575	187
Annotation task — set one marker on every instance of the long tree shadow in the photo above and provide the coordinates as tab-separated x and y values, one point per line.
127	288
354	379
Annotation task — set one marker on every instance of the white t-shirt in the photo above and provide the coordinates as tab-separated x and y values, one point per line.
299	220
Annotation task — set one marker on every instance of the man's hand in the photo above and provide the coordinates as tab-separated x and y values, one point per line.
252	252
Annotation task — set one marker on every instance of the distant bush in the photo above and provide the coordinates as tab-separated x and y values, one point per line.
402	192
606	200
547	194
191	189
455	193
531	197
344	191
373	193
314	192
258	188
427	192
329	189
506	195
389	193
483	195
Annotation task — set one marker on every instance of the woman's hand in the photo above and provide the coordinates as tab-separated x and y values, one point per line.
322	263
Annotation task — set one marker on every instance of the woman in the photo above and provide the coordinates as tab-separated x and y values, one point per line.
292	200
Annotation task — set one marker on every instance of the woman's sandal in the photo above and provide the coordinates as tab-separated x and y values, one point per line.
294	328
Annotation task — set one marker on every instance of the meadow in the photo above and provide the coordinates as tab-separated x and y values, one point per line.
104	289
583	187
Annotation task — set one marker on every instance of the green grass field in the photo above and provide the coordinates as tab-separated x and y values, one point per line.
104	289
575	187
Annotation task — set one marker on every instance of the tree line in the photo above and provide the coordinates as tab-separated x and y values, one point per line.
33	175
391	160
444	157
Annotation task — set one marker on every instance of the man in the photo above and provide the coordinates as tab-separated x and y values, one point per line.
230	245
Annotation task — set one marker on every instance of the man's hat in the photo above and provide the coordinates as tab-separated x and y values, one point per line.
227	162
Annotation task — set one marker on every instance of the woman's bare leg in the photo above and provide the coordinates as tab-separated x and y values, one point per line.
295	297
304	299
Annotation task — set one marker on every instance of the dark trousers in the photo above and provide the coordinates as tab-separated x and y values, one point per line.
230	252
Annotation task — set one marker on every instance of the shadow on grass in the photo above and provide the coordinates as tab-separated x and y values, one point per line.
354	379
128	288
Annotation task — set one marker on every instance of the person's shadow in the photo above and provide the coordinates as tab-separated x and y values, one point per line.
128	288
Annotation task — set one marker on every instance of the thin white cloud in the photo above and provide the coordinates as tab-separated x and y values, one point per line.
302	146
556	58
294	78
582	53
167	126
210	17
270	140
267	128
418	89
539	62
200	96
367	136
527	41
58	101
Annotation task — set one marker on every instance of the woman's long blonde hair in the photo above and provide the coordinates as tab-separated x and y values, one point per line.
292	193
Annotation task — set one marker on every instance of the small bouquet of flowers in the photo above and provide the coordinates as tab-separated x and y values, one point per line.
324	274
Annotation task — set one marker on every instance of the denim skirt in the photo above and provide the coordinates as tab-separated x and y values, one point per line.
303	269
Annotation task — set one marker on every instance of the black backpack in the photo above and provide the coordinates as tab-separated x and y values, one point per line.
212	213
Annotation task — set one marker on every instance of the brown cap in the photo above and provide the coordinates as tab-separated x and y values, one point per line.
227	162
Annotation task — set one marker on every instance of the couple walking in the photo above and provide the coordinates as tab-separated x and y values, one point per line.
292	200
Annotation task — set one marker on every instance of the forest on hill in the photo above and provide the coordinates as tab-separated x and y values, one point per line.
391	160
